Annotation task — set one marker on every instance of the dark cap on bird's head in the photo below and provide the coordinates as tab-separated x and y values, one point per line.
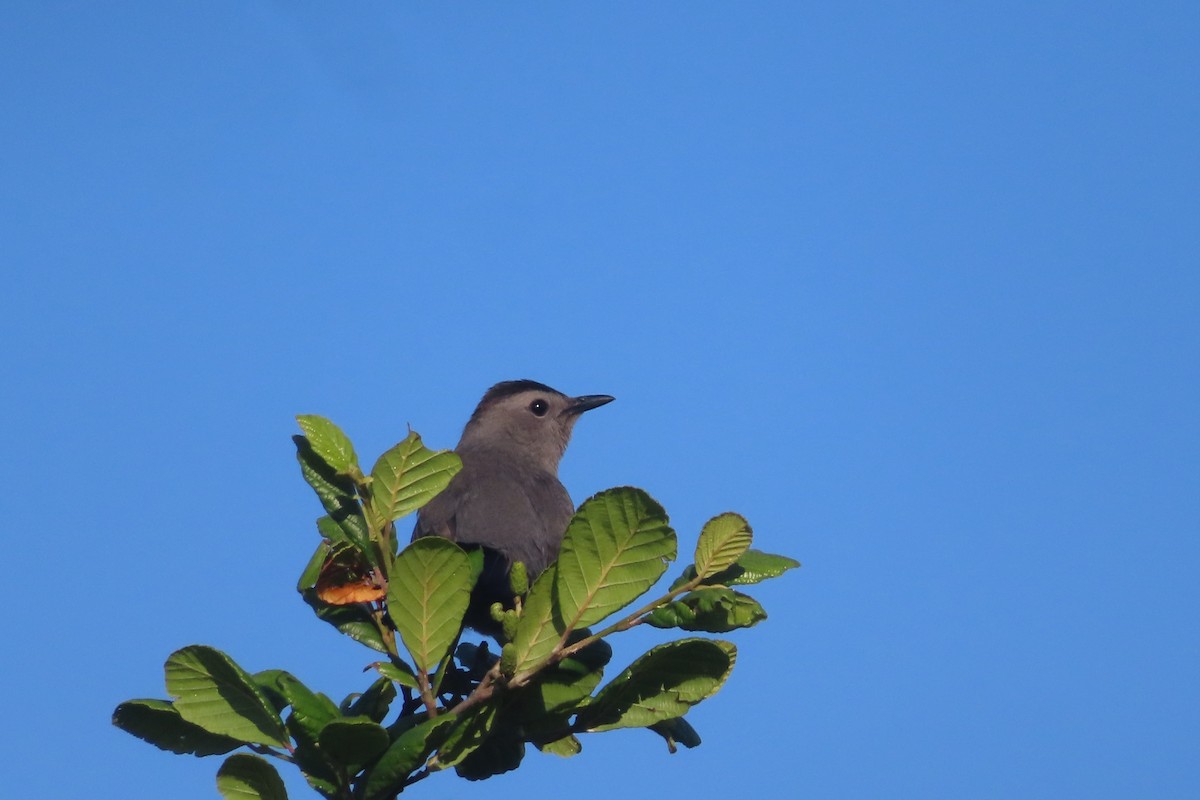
527	419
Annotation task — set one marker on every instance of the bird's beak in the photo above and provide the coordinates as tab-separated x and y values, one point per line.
587	402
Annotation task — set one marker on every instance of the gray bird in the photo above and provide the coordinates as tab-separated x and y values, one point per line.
507	498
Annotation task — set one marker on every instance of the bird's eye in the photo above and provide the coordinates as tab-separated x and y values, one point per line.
539	407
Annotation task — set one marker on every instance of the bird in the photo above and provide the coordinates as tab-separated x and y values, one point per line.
507	498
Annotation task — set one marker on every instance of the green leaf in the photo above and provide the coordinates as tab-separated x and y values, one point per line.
543	709
722	542
337	494
408	476
711	610
311	711
215	693
662	684
331	530
157	722
328	442
754	566
406	753
247	777
429	589
399	672
312	570
268	680
677	731
566	747
616	546
538	630
571	681
469	731
375	702
353	742
353	620
501	750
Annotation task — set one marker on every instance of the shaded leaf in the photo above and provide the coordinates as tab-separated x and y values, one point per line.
375	702
314	708
501	750
428	593
311	712
677	731
616	546
337	494
569	682
722	542
404	755
662	684
157	722
710	610
468	733
353	620
247	777
267	680
215	693
408	476
353	742
329	443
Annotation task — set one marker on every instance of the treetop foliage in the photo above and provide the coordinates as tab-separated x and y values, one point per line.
438	702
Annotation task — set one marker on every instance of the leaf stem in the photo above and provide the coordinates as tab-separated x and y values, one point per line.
485	689
263	750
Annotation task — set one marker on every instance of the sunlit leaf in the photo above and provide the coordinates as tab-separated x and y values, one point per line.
723	540
408	476
754	566
428	593
616	546
330	443
212	691
538	630
399	672
566	747
710	610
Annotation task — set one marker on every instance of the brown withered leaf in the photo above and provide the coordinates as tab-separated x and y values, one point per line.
346	579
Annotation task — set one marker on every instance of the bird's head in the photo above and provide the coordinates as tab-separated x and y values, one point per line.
527	420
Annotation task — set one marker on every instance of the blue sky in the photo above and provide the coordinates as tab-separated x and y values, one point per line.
913	287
